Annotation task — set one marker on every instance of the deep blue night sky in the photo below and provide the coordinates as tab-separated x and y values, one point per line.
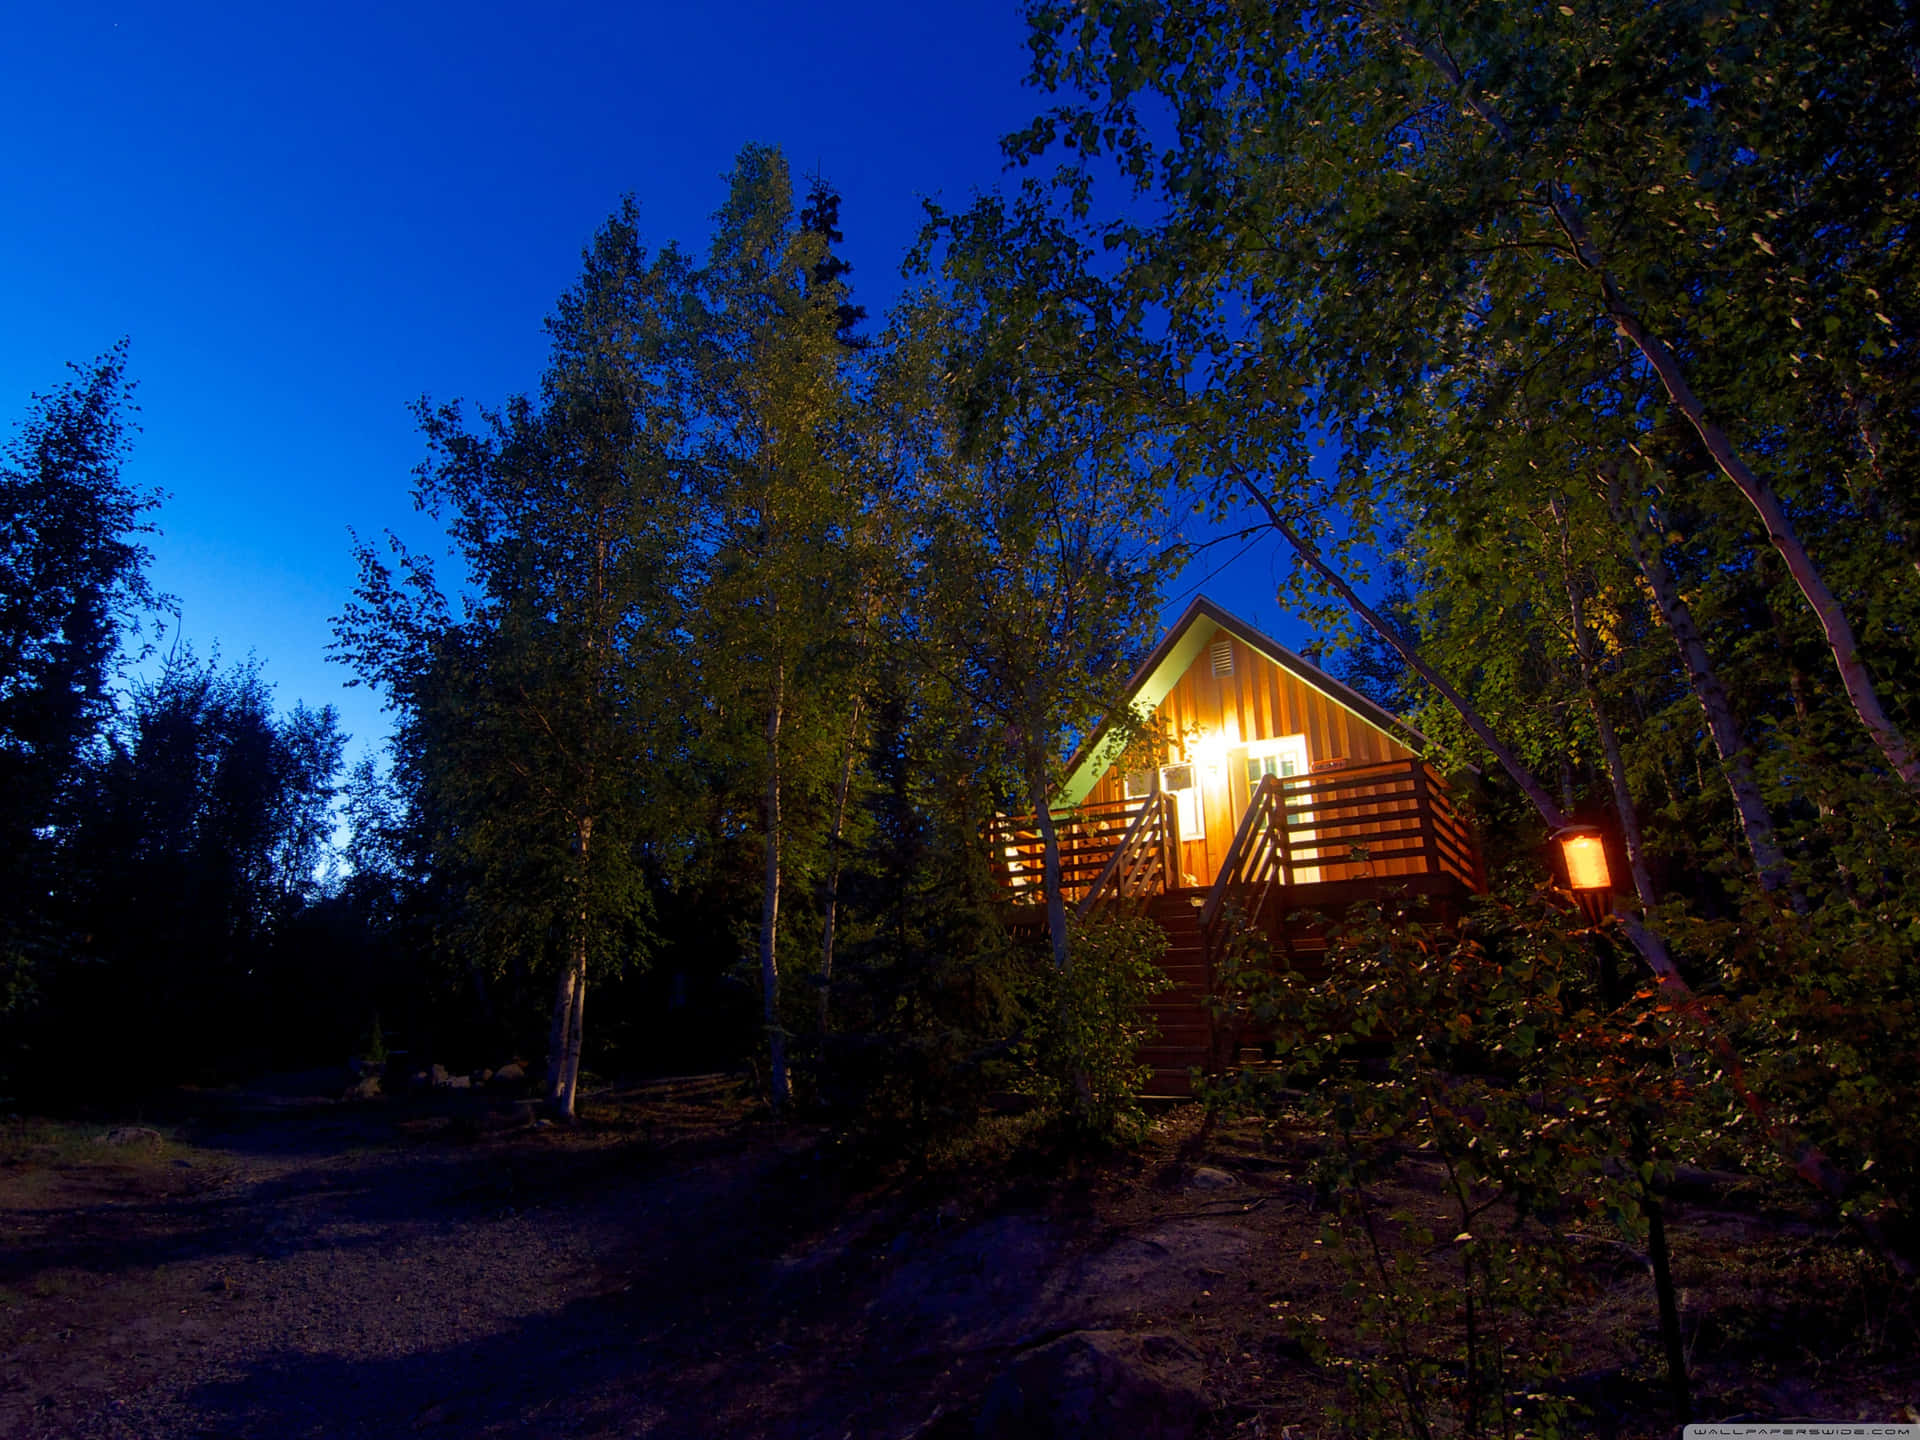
306	217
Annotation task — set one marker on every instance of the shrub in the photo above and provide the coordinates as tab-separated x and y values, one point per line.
1086	1025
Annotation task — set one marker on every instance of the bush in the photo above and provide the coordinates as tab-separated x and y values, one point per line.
1086	1026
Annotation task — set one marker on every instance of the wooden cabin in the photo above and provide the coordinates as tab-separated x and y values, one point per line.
1267	790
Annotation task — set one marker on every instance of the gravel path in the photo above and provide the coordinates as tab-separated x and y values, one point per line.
283	1267
288	1273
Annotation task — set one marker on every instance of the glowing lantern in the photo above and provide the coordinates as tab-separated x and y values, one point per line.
1585	854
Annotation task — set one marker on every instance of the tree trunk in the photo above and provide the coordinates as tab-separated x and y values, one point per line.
1806	575
1511	763
1049	857
576	1040
1660	1261
1678	1391
778	1086
1736	759
557	1033
569	1003
833	867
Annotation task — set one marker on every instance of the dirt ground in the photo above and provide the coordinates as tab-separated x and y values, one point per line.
277	1263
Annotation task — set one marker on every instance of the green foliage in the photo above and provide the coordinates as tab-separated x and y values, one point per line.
196	850
375	1049
1493	1059
538	723
1038	490
793	572
1493	302
912	1035
1086	1024
72	583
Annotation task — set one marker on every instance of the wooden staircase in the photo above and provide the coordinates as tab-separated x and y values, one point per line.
1305	849
1185	1041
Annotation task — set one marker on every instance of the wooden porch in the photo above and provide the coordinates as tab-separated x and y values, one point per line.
1306	847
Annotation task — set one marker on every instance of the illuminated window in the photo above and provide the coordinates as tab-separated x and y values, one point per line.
1179	782
1282	764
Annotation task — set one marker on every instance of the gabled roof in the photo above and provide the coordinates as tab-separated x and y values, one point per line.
1170	659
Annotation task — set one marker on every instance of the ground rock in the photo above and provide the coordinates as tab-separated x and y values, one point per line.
1094	1384
130	1135
1208	1178
1170	1263
459	1082
512	1073
438	1077
367	1087
982	1285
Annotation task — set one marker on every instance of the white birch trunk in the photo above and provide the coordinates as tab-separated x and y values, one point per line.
569	1004
1736	757
576	1039
557	1032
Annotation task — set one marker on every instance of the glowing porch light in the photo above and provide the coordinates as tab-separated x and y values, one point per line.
1210	751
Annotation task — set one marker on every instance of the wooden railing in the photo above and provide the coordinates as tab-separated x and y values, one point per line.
1090	838
1371	822
1145	858
1257	862
1377	822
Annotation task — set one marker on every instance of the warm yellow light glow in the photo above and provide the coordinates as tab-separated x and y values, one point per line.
1211	751
1586	862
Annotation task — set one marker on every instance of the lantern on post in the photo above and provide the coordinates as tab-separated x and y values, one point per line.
1584	852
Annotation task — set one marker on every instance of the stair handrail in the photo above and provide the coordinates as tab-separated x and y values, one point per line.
1146	830
1259	811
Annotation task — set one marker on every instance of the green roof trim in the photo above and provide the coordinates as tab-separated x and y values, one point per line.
1170	659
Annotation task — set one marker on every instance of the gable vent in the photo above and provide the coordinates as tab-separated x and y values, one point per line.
1221	652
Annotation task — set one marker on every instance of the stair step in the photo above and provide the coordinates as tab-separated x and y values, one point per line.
1184	1038
1168	1084
1172	1058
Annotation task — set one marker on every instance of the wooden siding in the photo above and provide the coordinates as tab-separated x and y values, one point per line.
1258	701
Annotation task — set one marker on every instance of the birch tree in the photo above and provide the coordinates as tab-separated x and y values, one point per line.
1045	545
780	498
541	704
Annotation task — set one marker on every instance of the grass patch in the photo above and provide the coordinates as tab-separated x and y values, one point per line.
993	1144
37	1141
